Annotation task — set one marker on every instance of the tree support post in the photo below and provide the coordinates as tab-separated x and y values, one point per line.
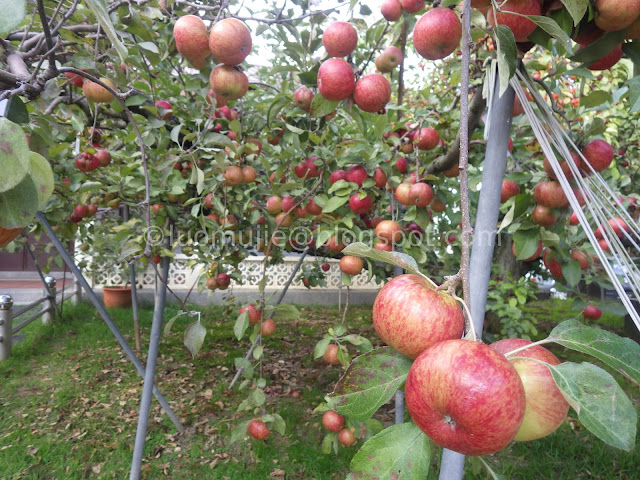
49	308
484	237
149	374
134	294
6	324
106	317
280	297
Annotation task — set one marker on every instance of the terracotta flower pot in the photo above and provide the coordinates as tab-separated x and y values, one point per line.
117	297
7	235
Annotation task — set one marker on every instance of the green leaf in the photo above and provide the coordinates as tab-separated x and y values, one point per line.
508	218
257	352
279	102
194	337
16	110
572	272
14	152
620	353
631	50
19	205
284	311
403	260
369	382
577	9
42	177
507	55
213	138
526	243
595	127
363	344
239	432
346	279
599	48
100	11
150	46
595	98
400	452
321	347
321	106
169	324
242	323
602	406
634	94
278	424
552	28
13	12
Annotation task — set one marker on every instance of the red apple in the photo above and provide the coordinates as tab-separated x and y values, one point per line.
333	245
566	169
546	408
380	177
389	59
258	429
617	224
249	174
228	82
543	216
573	219
550	194
410	316
437	33
192	41
402	194
223	281
389	231
426	138
284	220
466	397
438	206
268	327
96	92
313	208
550	261
307	169
336	80
357	174
338	175
401	164
372	93
80	211
509	189
325	267
520	26
103	157
274	205
288	203
230	41
340	39
164	109
347	438
91	210
360	205
598	154
592	312
351	265
303	98
85	162
391	10
332	421
253	312
75	79
420	194
233	175
412	6
614	15
580	257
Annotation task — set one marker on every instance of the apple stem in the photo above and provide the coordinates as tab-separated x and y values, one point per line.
524	347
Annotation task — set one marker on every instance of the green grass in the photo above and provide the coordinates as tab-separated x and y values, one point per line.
69	404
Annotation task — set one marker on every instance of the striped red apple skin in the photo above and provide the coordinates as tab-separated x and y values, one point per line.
410	316
466	397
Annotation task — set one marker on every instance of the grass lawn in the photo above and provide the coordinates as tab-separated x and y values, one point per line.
69	406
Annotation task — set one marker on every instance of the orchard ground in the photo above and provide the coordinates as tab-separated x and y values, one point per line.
70	398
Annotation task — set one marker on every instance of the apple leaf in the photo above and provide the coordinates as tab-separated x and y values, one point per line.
595	98
14	151
507	55
399	452
334	203
19	205
599	48
620	353
285	311
526	243
631	50
402	260
321	347
99	9
320	106
42	177
279	102
13	12
242	323
369	382
239	432
194	337
601	405
552	28
576	8
634	94
572	272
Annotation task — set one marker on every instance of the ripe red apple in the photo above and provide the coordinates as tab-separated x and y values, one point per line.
592	312
347	438
103	157
91	210
401	164
233	175
509	189
228	82
230	41
520	26
333	421
615	15
427	138
258	429
618	225
607	61
253	146
223	281
288	203
420	194
437	33
566	169
360	205
537	253
333	245
96	92
80	211
389	59
391	10
372	93
412	6
599	154
336	80
552	263
438	206
402	193
357	174
75	79
340	39
543	216
192	41
410	316
325	267
274	205
303	98
351	265
573	219
268	327
86	162
313	208
307	169
249	174
550	194
338	175
330	355
164	109
546	408
212	283
389	231
380	177
466	397
284	220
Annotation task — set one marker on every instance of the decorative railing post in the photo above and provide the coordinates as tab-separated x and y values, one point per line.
49	308
6	323
76	296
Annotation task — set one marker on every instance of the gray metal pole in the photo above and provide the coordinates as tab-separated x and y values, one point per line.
134	293
105	316
279	299
484	237
6	324
152	357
